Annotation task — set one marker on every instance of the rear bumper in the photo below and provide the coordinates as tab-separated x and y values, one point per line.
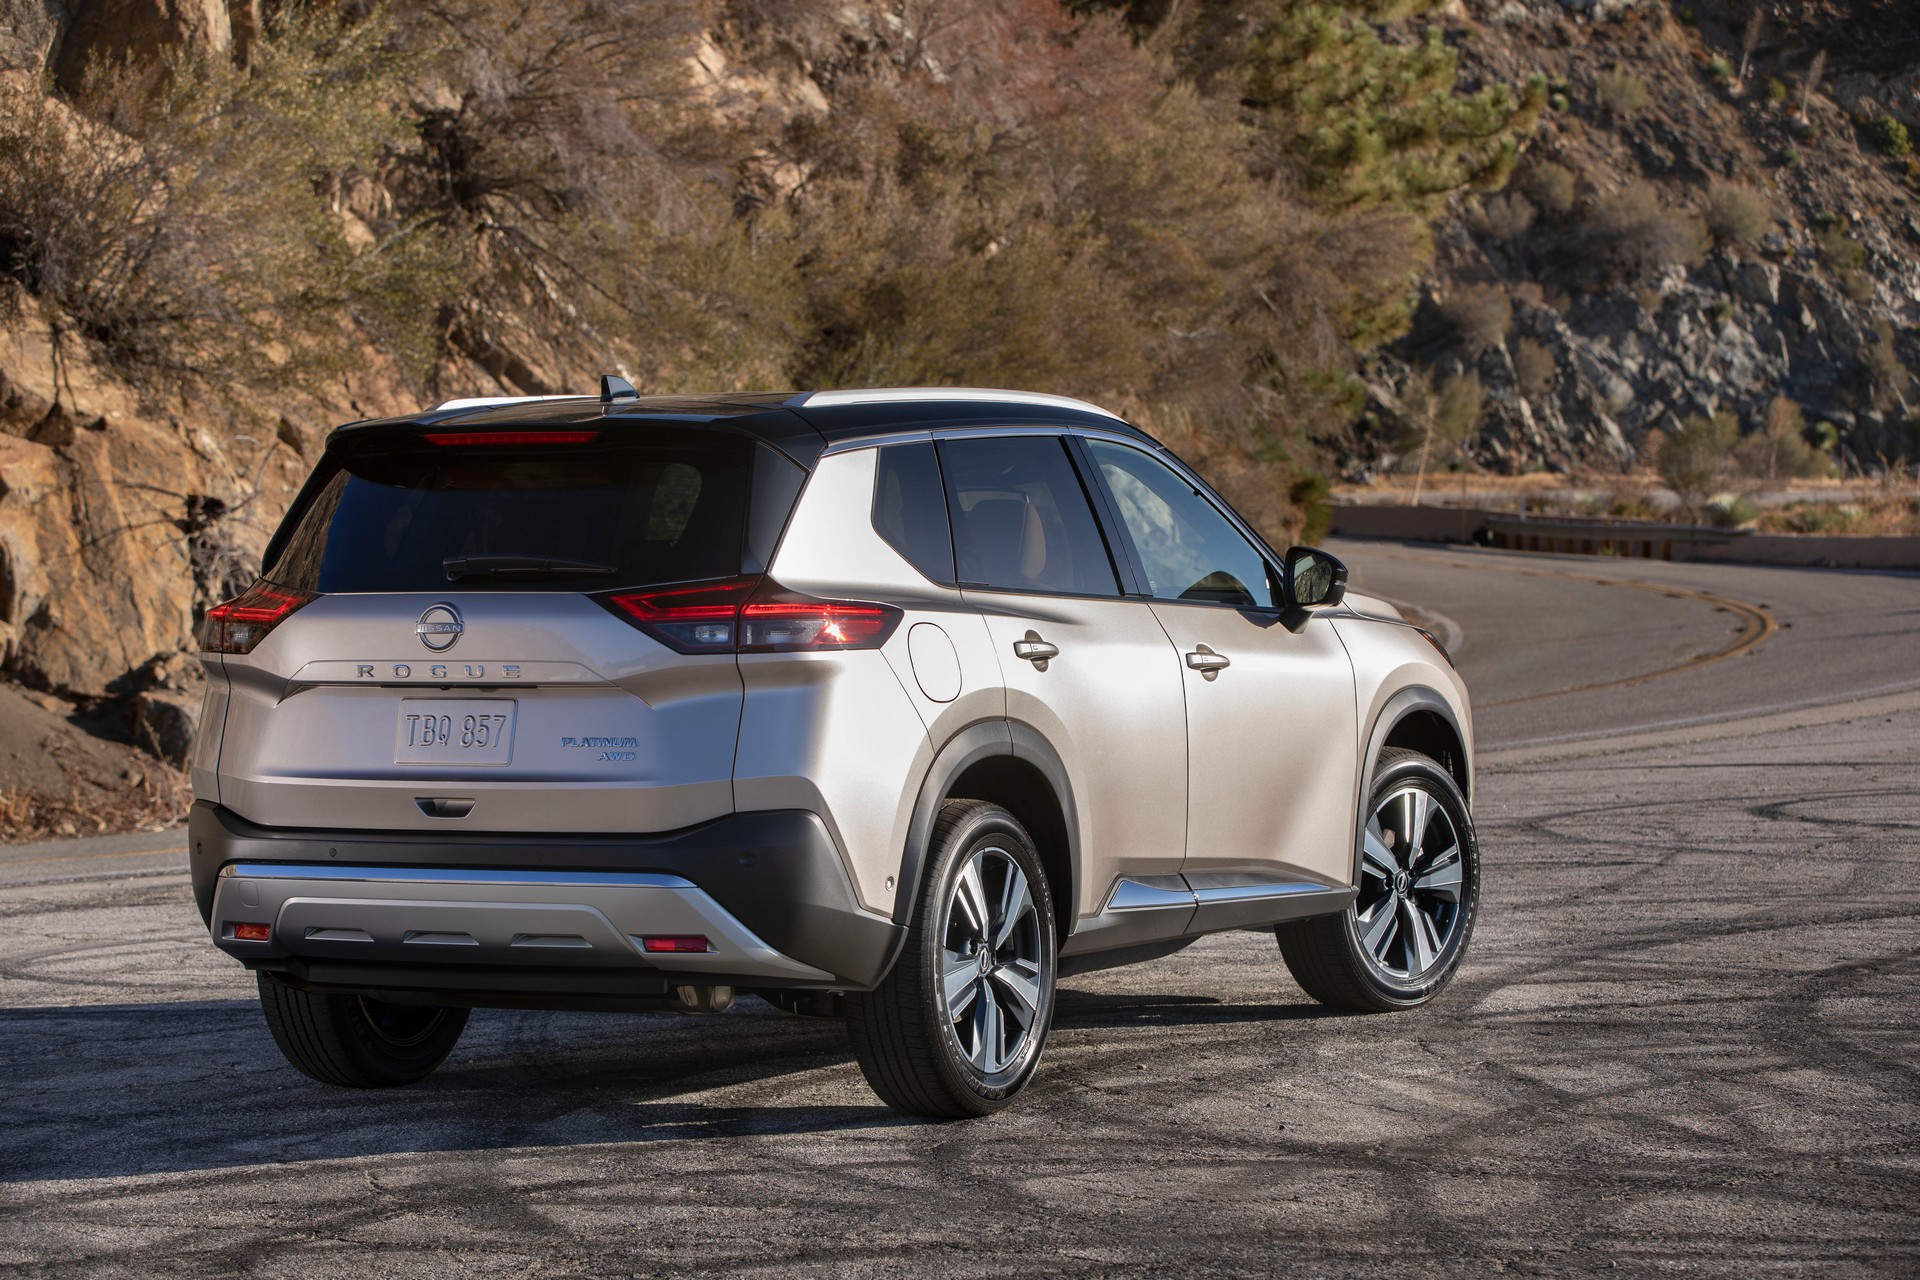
540	915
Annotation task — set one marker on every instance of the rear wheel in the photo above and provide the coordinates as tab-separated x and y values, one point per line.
355	1041
1418	897
957	1027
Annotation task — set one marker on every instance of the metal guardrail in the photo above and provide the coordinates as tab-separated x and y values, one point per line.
1600	536
1614	536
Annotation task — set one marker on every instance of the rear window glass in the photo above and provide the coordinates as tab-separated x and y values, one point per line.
487	518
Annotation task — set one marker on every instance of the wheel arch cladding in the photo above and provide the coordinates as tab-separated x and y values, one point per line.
1431	734
1012	766
1019	787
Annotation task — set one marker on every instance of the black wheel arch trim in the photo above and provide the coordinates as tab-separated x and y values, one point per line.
1409	701
984	740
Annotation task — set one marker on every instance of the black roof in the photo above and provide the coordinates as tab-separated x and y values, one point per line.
796	424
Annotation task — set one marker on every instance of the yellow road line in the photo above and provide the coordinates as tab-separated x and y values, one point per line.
1758	623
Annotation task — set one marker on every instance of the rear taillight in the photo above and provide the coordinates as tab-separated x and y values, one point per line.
242	622
752	615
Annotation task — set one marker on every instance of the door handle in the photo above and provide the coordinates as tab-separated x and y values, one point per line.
1208	663
1035	650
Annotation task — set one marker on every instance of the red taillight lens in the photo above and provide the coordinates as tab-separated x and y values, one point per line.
242	622
702	617
461	439
677	942
752	615
251	932
787	625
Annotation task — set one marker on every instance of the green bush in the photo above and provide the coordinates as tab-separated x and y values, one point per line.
1693	458
1730	511
1776	90
1371	121
1721	71
1891	137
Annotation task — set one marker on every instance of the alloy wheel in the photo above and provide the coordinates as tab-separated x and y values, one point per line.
991	958
1411	884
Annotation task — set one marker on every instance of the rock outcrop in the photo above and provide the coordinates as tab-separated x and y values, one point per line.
1810	306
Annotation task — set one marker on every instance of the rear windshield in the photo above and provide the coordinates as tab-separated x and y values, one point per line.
552	518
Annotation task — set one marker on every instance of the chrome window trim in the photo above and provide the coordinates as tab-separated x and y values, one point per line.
1158	453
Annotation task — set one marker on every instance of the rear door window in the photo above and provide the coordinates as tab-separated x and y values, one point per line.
1021	521
910	508
408	516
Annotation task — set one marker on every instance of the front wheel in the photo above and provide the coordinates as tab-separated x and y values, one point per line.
355	1041
1418	897
957	1027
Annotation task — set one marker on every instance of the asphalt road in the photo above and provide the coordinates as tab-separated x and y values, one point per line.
1686	1038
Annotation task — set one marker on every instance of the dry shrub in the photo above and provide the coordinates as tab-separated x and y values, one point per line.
1503	217
183	212
1633	233
1550	186
1478	315
1621	92
1534	369
1779	449
1737	214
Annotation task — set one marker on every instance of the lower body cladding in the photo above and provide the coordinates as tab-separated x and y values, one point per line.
756	900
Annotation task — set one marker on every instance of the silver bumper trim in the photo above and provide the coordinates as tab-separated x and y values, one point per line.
453	915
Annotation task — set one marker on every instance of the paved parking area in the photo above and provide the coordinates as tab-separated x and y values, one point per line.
1686	1038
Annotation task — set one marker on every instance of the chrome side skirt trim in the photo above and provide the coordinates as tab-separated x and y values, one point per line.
1142	910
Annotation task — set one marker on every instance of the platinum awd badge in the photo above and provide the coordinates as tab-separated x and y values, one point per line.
440	627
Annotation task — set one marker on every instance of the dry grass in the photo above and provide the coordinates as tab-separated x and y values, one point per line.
1881	515
153	800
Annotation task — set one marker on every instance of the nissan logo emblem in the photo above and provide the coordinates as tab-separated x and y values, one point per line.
439	627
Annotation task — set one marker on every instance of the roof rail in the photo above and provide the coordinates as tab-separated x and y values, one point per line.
896	395
482	402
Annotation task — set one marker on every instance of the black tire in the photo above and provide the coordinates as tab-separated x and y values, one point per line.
911	1052
1326	953
355	1042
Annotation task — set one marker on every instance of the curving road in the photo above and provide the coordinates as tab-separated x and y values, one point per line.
1686	1037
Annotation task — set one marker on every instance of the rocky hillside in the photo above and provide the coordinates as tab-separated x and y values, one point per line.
1289	235
1677	241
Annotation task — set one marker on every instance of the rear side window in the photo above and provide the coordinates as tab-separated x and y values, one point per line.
1021	521
417	517
910	508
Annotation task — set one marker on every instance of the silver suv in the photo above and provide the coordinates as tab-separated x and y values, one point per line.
889	705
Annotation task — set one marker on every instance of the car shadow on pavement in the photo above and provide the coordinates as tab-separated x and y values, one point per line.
114	1090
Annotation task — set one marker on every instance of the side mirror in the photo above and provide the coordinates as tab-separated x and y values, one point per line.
1314	578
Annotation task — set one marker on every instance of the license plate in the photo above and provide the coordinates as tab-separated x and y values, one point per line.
454	731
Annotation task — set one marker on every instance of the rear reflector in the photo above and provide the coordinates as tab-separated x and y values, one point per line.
677	942
752	615
251	932
461	439
242	622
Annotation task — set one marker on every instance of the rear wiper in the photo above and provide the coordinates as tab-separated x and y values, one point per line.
490	566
